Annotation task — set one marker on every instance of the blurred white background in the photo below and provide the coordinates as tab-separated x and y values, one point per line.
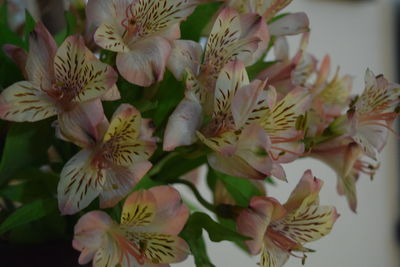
357	35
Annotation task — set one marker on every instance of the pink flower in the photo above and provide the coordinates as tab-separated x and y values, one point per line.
277	231
373	112
140	31
110	165
344	156
147	234
233	36
68	82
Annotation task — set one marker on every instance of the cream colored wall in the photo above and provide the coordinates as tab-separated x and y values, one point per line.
356	35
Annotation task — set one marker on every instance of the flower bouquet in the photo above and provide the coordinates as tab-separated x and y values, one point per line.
102	120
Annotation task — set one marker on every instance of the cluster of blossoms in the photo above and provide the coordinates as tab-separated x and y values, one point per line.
247	128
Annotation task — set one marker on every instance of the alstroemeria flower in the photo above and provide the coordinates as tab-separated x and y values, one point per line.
287	73
266	8
373	112
233	37
345	157
226	132
330	98
109	167
277	231
140	31
147	234
288	24
68	82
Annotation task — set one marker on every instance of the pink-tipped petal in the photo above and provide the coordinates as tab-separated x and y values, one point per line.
234	165
182	125
185	54
120	181
89	232
308	185
290	24
18	55
42	50
145	63
253	222
80	125
171	213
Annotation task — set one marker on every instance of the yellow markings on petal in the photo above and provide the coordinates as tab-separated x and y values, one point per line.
158	248
225	143
121	142
232	77
308	223
267	259
284	114
138	214
224	34
152	16
23	101
337	91
79	75
109	37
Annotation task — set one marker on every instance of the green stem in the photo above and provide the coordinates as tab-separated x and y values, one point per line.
197	194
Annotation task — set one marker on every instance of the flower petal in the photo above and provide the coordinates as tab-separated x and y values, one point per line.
122	142
23	101
284	114
274	7
234	165
307	186
80	183
88	234
112	94
109	36
161	248
139	209
272	256
308	223
185	54
81	124
290	24
80	75
182	125
253	146
224	43
98	11
145	63
120	181
254	27
232	77
18	55
249	103
42	49
253	222
153	16
171	214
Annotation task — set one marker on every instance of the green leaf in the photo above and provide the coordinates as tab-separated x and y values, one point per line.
32	184
27	213
241	189
216	231
25	146
69	30
197	247
29	26
192	28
